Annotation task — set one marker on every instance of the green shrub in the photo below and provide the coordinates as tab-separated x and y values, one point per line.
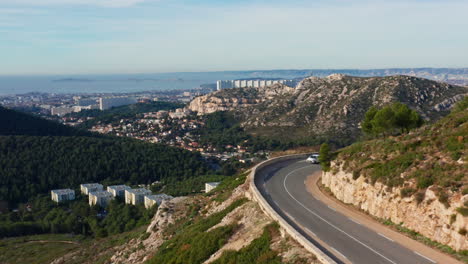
462	231
258	251
424	181
463	211
407	192
453	218
443	198
325	157
356	174
192	244
419	196
465	191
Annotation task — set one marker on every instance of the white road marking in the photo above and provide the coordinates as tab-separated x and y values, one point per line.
321	218
382	235
424	257
331	208
354	221
339	252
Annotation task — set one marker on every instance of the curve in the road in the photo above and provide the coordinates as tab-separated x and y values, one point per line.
346	241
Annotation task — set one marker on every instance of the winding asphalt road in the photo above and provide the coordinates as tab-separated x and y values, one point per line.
346	240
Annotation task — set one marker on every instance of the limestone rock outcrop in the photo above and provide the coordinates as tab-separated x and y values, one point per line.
328	107
429	217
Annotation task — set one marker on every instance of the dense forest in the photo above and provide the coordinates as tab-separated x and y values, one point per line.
17	123
30	165
37	155
127	111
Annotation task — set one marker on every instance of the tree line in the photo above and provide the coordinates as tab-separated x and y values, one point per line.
31	165
75	217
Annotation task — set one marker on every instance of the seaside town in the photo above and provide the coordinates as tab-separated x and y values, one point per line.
178	127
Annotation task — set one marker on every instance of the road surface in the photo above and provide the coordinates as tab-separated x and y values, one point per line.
340	237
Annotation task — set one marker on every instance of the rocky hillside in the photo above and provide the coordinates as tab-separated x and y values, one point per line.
418	181
327	107
220	227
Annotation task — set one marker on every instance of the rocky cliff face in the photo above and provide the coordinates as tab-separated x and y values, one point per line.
249	217
236	98
328	106
139	250
429	217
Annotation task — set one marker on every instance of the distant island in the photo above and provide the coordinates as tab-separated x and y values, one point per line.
73	80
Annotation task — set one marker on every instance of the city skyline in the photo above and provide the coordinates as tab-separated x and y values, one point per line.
138	36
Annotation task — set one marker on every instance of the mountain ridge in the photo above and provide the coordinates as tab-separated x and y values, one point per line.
330	107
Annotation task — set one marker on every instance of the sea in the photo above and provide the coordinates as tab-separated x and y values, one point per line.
125	83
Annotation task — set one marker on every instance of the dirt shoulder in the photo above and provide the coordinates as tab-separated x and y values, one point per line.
366	220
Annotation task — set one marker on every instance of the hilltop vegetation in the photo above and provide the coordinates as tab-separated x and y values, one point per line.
390	119
431	155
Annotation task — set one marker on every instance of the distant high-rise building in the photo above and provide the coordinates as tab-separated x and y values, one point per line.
109	102
220	84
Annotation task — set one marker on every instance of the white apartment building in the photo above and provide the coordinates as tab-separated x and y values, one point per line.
87	188
100	198
61	111
118	190
224	84
109	102
61	195
151	200
136	196
210	186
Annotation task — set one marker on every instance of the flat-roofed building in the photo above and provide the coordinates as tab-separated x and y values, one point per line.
151	200
210	186
136	196
118	190
87	188
109	102
61	110
100	198
220	84
61	195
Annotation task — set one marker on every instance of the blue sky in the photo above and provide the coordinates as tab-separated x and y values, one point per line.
145	36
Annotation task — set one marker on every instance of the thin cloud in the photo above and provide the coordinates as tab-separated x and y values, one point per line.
102	3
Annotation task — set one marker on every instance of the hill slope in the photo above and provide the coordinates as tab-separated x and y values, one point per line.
417	180
219	227
39	155
17	123
330	107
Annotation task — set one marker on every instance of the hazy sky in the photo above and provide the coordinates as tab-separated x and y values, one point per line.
130	36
